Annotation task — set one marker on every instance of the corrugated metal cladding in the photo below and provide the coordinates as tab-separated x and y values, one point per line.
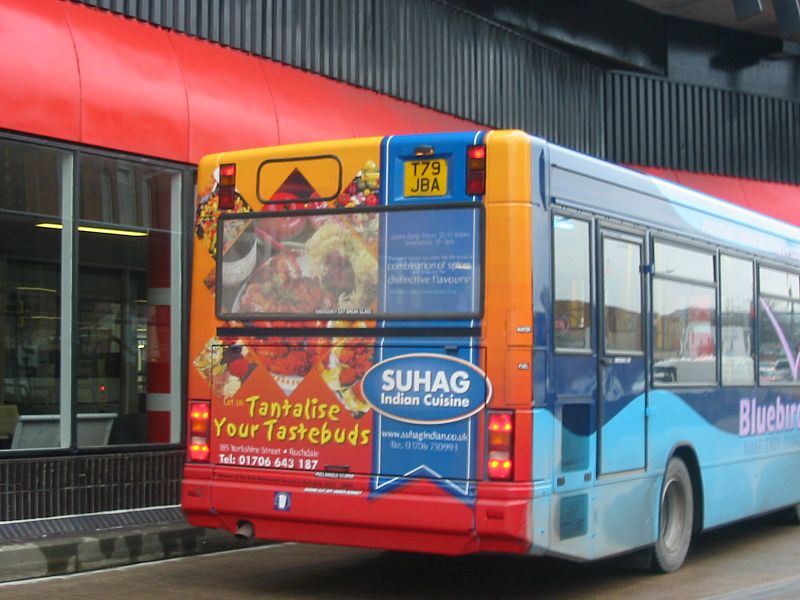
424	51
655	122
440	56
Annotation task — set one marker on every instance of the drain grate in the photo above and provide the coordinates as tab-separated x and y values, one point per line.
87	524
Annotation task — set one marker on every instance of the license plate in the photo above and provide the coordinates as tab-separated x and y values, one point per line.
425	177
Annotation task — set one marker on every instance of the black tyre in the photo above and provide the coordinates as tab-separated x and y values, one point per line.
675	519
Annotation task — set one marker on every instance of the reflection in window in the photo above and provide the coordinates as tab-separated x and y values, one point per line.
125	193
779	327
122	301
123	340
685	263
30	342
30	179
778	283
111	314
736	292
30	294
684	319
572	284
622	296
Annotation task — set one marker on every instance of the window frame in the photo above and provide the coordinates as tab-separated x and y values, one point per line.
477	207
590	222
726	253
773	266
657	237
631	236
181	197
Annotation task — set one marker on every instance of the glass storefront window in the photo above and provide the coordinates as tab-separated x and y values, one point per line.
123	360
111	374
30	294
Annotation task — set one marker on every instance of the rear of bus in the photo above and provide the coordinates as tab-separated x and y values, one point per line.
360	344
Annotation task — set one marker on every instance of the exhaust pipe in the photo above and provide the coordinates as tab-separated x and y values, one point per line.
245	530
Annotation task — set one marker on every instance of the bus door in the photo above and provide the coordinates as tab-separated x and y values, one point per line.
621	371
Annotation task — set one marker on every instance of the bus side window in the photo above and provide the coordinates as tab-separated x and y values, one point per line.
684	316
572	306
736	315
778	327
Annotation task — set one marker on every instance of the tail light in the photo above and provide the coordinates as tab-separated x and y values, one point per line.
476	170
501	446
199	413
227	186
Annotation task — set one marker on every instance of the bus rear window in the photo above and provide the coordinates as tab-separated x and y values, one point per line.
355	264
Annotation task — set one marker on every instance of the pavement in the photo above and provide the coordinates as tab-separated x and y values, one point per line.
78	551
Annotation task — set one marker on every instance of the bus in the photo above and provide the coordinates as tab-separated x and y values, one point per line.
480	342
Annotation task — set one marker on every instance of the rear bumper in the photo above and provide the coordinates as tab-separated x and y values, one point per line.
417	517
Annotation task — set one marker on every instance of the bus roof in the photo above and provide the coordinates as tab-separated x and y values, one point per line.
629	195
626	194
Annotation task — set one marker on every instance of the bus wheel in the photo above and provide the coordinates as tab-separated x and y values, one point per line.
675	518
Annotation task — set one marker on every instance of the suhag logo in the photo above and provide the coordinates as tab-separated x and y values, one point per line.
426	388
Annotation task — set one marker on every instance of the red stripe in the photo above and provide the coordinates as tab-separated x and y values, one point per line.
184	98
158	350
158	249
158	424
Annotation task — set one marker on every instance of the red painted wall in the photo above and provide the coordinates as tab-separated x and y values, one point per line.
85	75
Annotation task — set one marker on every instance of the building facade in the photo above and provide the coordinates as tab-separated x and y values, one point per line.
110	103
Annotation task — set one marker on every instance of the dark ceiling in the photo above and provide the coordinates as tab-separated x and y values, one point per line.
773	18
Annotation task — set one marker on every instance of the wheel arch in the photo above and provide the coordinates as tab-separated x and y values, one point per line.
689	457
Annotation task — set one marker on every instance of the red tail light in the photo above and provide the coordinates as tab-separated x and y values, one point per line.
227	186
477	154
501	446
199	413
476	170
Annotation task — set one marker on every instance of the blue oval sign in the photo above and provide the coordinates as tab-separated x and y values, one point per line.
426	388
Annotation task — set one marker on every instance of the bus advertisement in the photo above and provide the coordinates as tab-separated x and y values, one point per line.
482	342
